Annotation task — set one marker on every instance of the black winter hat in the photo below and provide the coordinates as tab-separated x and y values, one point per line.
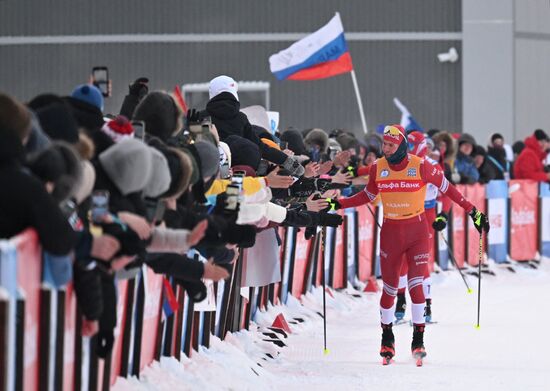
88	116
517	147
243	152
295	141
479	151
43	100
496	136
59	163
11	147
161	114
58	122
467	138
541	135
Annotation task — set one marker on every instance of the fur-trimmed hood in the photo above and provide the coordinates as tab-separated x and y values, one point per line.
446	137
318	137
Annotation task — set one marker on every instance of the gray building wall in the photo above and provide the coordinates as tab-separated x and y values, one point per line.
407	69
487	70
532	66
506	78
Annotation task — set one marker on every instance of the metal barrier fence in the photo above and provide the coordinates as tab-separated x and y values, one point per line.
41	347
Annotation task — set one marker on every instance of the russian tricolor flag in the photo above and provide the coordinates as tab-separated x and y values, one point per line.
319	55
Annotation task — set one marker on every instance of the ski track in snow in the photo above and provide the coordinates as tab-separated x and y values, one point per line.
510	351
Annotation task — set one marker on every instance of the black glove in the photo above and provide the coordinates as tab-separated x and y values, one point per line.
310	232
130	243
139	87
105	340
480	221
196	290
243	235
302	188
193	116
330	219
440	222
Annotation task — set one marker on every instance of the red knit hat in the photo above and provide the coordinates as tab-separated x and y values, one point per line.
119	128
394	134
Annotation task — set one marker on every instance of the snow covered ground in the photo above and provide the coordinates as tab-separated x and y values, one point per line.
510	351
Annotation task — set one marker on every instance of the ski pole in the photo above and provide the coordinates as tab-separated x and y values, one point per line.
479	277
453	260
373	215
323	244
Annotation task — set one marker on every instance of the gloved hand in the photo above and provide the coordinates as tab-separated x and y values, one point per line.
196	290
293	167
130	243
105	340
333	204
242	235
310	232
193	116
139	87
323	185
481	222
440	221
330	219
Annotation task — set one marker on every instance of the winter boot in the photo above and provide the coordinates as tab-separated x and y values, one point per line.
400	307
387	350
417	346
428	310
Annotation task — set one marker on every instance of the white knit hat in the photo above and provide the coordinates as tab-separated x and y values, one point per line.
223	84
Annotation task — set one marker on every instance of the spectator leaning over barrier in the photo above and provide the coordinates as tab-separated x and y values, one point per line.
24	201
529	163
224	106
464	163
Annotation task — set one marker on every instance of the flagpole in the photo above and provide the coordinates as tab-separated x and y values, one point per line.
359	102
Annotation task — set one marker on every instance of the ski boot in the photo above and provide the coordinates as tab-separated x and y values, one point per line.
428	312
387	349
417	346
400	307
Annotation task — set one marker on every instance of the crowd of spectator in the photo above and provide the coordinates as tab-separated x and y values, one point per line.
184	192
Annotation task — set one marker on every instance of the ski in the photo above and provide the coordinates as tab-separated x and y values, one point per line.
400	322
430	322
419	362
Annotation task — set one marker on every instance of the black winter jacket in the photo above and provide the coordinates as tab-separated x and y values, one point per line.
225	114
25	203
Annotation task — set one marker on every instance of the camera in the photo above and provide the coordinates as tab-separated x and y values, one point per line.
100	75
232	201
154	210
139	129
100	205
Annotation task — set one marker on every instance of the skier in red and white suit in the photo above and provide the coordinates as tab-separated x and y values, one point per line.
401	180
418	147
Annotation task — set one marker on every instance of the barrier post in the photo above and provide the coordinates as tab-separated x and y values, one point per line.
4	351
544	219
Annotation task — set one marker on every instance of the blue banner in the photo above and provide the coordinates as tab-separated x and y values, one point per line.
544	218
497	202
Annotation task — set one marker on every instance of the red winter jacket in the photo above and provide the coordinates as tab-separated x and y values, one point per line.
529	165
